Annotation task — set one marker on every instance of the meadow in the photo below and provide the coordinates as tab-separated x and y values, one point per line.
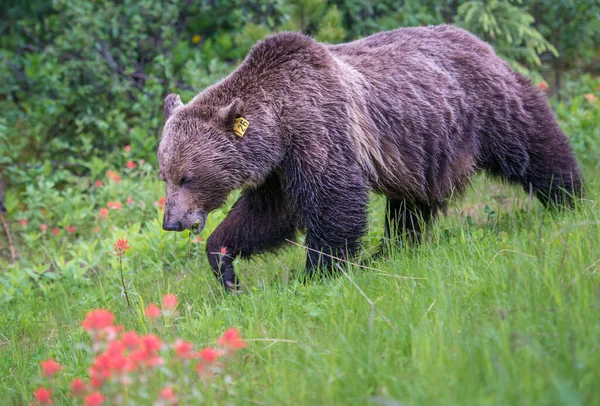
499	305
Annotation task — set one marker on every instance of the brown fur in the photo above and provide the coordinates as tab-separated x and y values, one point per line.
410	113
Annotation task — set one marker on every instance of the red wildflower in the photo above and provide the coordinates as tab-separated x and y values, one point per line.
99	183
127	148
183	349
160	203
130	165
121	246
23	222
98	320
103	213
147	353
130	201
114	205
151	343
231	339
110	363
209	355
223	250
78	387
70	229
50	367
44	396
95	399
95	381
197	240
543	86
152	311
43	227
169	301
96	229
112	175
131	340
116	361
115	347
591	98
167	393
145	358
55	231
154	361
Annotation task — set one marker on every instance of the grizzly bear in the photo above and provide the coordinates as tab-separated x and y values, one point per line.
307	129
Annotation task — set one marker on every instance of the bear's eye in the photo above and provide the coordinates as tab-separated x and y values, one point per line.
185	181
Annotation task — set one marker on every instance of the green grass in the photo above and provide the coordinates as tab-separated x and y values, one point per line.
500	305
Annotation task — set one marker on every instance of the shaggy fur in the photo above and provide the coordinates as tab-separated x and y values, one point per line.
410	113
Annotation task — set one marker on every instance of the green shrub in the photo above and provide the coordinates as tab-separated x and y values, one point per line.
81	79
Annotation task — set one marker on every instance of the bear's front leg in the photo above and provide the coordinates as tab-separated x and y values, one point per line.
260	220
333	201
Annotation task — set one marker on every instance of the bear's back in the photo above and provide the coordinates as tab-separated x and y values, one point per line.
423	92
407	49
439	36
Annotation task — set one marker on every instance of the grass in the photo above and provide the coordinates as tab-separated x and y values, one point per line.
499	305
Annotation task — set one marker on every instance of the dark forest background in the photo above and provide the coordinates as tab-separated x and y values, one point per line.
80	79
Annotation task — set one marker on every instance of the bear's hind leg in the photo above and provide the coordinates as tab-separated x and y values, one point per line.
404	220
260	220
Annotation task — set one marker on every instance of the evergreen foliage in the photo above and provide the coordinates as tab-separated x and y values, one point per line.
79	79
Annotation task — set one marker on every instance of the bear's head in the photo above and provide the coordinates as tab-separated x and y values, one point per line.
199	160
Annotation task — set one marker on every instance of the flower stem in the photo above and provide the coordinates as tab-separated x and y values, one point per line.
189	252
123	281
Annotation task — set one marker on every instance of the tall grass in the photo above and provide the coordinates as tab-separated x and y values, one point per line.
499	305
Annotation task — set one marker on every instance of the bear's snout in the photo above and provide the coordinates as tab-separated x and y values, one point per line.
172	226
194	221
171	223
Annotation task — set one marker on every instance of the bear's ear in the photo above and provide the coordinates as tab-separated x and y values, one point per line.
228	114
171	103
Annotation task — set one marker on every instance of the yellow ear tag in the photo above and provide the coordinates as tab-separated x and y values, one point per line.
240	125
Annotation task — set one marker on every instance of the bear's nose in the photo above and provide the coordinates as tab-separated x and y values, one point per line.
172	226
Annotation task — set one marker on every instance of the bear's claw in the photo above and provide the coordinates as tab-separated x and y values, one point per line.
232	287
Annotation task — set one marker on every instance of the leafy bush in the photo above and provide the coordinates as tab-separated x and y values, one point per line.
83	78
509	27
573	27
578	112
